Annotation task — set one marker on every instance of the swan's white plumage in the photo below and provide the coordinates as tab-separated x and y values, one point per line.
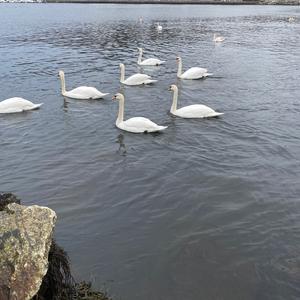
17	104
191	111
81	92
218	39
140	125
196	111
191	73
194	73
135	79
148	61
84	93
136	124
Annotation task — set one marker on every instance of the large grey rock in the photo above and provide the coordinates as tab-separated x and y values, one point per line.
25	239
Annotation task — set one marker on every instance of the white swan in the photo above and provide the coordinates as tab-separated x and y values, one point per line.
291	19
191	111
158	27
16	104
218	39
136	79
148	61
81	92
192	73
137	124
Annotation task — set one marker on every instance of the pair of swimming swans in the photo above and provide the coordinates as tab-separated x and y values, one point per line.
139	79
144	125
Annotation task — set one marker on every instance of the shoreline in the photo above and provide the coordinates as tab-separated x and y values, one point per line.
194	2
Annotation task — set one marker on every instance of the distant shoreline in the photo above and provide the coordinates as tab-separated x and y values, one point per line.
199	2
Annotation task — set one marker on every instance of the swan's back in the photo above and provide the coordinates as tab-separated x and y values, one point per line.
151	62
17	104
84	92
196	111
194	73
137	79
140	124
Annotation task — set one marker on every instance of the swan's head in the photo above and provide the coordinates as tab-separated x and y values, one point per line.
140	49
178	59
61	73
121	66
118	96
173	88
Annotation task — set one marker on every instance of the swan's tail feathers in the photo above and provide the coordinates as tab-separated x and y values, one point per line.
208	74
217	114
37	106
162	62
104	94
149	81
161	128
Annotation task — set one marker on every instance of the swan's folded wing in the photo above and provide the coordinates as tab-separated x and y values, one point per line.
16	104
152	62
194	73
140	124
84	92
137	79
197	111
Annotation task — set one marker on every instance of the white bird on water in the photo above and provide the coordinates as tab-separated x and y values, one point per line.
148	61
218	39
135	79
191	111
136	124
81	92
191	73
291	19
158	27
16	105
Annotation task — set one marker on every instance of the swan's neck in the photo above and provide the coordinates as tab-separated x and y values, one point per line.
122	78
140	57
174	104
63	84
121	112
179	71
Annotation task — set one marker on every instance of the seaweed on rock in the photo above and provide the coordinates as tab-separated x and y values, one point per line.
58	283
7	198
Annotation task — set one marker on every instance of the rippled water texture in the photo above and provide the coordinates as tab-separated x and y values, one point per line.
207	210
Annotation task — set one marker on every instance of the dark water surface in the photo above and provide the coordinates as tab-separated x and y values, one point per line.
209	209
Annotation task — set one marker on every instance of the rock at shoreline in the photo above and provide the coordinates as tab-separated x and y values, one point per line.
25	240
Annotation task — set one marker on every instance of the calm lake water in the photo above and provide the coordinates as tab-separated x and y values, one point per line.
209	209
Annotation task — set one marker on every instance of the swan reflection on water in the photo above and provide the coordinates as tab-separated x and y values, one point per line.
65	104
122	147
